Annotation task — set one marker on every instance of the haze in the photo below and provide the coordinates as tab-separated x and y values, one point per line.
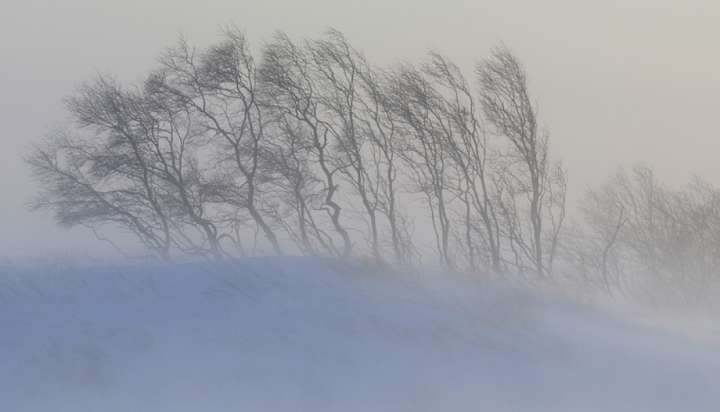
618	82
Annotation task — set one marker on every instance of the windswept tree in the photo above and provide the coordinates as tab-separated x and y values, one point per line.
220	86
468	148
353	95
382	130
450	160
290	79
531	189
338	67
127	164
418	106
298	187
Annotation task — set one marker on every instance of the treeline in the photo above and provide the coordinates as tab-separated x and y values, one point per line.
640	235
307	147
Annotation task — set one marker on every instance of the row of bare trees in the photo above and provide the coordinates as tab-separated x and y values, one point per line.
312	149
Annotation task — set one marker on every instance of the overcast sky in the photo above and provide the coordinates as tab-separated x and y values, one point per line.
617	82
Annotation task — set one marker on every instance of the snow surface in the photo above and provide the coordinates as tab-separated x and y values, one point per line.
298	334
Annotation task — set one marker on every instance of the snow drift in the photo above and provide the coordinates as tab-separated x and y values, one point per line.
299	334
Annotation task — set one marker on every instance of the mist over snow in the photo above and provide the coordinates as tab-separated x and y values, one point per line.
380	205
305	334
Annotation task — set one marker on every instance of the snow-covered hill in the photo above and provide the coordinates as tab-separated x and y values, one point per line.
308	335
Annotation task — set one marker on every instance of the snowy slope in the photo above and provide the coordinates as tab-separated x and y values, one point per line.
307	335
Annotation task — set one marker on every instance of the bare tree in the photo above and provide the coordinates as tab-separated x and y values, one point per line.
290	80
104	175
339	70
380	124
297	186
221	87
596	247
527	171
423	150
174	140
467	145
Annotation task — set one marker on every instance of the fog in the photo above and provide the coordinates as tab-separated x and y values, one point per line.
376	205
617	82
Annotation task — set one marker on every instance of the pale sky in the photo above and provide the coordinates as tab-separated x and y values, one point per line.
618	82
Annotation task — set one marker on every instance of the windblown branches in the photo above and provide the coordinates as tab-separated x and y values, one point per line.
532	191
311	148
